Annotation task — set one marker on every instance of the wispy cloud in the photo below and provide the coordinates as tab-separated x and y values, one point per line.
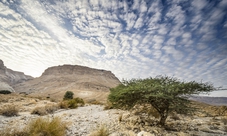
131	38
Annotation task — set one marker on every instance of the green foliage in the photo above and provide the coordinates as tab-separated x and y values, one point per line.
165	94
68	95
5	92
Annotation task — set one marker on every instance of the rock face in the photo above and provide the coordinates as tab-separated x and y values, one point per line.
87	83
8	77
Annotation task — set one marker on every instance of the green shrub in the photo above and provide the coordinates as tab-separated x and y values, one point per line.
47	127
68	95
9	110
5	92
79	101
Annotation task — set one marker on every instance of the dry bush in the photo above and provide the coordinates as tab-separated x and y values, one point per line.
101	131
47	127
39	111
51	108
108	106
224	120
9	110
48	109
38	127
225	128
94	101
8	131
68	104
79	101
71	103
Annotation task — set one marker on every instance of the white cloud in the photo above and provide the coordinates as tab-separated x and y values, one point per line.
131	41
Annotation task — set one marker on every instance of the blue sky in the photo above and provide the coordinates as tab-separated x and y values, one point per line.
133	39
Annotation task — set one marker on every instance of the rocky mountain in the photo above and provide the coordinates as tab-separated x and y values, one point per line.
8	77
87	83
211	100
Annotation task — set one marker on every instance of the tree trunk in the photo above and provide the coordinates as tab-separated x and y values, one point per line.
162	120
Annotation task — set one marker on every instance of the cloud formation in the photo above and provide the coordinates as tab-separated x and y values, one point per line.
133	39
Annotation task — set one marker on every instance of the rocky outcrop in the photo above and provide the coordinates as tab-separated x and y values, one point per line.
85	82
8	77
5	86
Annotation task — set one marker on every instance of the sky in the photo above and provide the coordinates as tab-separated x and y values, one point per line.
186	39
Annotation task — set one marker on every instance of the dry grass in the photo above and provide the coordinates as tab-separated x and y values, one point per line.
13	132
224	120
48	109
94	101
71	103
225	128
47	127
101	131
9	110
108	106
38	127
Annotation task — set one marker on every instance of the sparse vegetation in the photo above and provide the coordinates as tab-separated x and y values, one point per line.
9	110
101	131
95	102
48	109
108	105
38	127
165	94
225	128
71	103
68	95
13	132
47	127
224	120
39	111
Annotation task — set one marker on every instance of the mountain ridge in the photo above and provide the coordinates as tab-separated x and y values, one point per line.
85	82
9	77
217	101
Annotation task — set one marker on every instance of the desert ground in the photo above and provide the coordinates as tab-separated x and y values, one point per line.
86	119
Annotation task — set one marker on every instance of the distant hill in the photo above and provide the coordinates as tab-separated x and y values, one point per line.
8	77
85	82
211	100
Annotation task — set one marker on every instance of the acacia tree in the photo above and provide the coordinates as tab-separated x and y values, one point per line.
165	94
